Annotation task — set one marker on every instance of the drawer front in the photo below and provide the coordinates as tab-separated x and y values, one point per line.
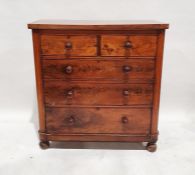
92	69
73	93
135	45
69	45
98	120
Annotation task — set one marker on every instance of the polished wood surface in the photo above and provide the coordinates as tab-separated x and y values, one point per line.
69	45
98	81
61	93
157	84
98	120
97	25
128	45
39	81
110	45
126	70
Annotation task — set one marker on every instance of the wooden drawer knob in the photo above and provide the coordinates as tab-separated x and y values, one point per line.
68	45
128	44
68	69
125	92
127	68
71	120
124	119
70	92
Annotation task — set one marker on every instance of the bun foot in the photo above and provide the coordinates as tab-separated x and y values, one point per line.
151	147
44	144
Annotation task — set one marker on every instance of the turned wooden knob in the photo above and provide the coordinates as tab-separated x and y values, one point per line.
124	119
69	92
68	45
128	44
71	120
125	92
127	68
68	69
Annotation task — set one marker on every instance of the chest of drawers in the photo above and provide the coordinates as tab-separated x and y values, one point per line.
98	81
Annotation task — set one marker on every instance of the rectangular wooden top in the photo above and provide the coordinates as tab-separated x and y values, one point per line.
97	25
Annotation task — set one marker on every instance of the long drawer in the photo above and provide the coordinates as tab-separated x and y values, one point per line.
61	93
99	69
98	120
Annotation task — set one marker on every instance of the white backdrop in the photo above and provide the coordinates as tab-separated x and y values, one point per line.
17	82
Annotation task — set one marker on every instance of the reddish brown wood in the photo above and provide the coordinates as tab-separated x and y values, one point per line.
125	45
98	137
39	80
98	32
98	120
61	93
87	58
94	25
157	84
98	81
78	45
99	69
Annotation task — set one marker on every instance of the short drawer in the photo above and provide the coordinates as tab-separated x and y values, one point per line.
61	93
123	45
98	120
69	45
96	69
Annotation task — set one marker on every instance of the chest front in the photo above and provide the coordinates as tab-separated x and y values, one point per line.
98	82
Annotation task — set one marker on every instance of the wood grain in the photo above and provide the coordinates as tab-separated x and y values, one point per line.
81	45
94	69
98	81
157	85
99	137
114	45
61	93
98	120
39	80
94	25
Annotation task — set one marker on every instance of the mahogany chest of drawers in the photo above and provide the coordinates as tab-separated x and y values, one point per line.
98	81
